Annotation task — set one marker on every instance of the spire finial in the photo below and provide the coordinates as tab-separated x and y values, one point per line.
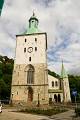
62	62
33	13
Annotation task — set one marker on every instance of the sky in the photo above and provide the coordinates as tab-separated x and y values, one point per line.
60	19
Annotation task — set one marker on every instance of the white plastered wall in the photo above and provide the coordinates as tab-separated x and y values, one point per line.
38	56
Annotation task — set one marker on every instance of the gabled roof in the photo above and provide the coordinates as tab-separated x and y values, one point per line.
50	77
53	74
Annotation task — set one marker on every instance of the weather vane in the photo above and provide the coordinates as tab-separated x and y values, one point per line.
33	13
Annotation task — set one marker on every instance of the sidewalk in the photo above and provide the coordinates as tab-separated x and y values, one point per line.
69	115
7	114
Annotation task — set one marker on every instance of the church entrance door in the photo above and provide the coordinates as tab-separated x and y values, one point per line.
30	94
59	98
55	97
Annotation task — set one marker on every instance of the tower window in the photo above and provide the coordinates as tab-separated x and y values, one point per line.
24	50
35	48
25	39
35	39
30	75
29	58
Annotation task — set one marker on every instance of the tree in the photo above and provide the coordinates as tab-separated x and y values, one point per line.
74	82
6	68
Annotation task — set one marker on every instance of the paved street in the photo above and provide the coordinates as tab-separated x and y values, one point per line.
7	114
64	116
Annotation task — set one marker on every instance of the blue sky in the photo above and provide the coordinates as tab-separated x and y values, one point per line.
59	18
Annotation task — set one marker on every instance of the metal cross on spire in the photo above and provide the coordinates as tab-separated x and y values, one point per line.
33	13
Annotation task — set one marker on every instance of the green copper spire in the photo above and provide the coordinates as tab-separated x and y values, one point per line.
33	25
63	72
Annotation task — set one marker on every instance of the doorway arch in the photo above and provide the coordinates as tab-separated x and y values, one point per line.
59	98
30	94
55	97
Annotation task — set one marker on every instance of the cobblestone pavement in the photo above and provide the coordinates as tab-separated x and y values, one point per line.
7	114
69	115
64	116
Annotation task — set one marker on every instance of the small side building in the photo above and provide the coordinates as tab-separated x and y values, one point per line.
55	90
59	90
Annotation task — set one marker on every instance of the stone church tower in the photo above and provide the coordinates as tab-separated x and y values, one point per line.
30	76
65	85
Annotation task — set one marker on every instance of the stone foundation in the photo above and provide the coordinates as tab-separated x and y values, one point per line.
19	91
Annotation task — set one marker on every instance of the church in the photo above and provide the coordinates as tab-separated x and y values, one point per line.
31	83
58	89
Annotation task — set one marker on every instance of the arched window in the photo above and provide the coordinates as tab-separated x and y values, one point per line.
24	50
55	97
30	74
59	98
52	83
25	40
35	48
56	83
35	39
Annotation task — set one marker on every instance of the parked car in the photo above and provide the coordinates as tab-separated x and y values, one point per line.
6	101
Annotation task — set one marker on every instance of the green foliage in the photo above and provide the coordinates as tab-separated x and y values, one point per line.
6	67
3	89
47	112
74	82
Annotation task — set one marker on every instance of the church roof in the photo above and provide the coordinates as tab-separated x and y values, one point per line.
33	25
50	77
33	17
53	74
63	72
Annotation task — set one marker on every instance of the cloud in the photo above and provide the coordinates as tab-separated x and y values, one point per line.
59	18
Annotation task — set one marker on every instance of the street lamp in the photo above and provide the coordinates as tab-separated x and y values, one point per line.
38	104
74	93
11	98
38	101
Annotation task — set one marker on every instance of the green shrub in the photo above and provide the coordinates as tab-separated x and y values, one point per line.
47	112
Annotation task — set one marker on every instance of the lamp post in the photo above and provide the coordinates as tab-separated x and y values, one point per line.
74	93
75	102
38	101
11	98
38	104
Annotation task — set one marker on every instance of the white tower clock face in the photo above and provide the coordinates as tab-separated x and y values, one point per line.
30	49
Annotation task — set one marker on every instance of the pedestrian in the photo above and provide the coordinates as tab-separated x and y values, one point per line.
0	108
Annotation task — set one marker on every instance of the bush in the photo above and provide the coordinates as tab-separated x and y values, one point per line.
47	112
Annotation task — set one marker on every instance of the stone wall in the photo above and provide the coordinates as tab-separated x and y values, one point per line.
19	90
